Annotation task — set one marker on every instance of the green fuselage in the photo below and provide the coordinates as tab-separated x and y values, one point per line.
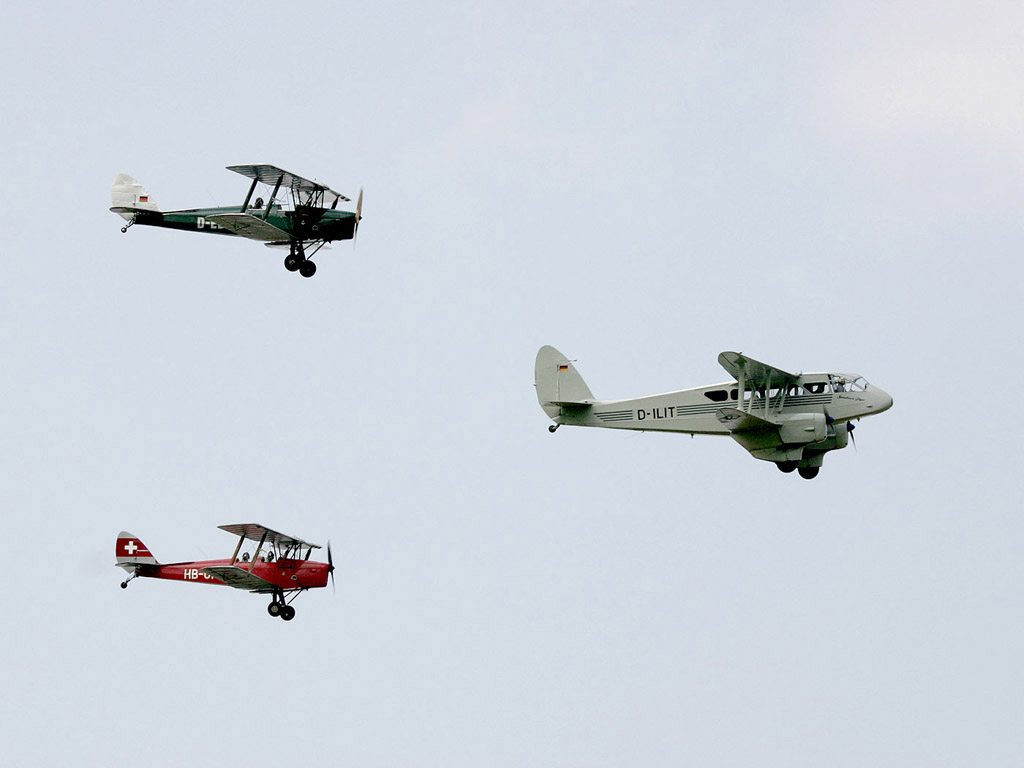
302	224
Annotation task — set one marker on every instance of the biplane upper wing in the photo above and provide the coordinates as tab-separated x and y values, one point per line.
755	374
257	532
305	192
249	226
239	578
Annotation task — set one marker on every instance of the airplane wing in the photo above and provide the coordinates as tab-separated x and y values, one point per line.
256	532
741	421
239	578
756	374
251	227
304	191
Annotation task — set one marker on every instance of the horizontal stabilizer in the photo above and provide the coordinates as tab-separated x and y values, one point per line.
239	578
252	227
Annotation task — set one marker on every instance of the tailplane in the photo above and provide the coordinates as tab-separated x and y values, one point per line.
127	195
130	552
559	383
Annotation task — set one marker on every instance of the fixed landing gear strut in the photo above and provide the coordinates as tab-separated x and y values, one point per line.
296	261
278	607
125	227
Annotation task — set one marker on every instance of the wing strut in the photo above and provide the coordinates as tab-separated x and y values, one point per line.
273	194
263	539
234	555
742	382
248	197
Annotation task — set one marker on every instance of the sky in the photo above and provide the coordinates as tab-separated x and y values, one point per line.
640	184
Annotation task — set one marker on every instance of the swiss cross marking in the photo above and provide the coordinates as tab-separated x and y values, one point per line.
130	547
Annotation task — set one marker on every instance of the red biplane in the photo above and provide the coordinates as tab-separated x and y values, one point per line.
278	570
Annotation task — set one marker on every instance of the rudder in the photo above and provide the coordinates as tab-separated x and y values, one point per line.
130	551
128	193
558	382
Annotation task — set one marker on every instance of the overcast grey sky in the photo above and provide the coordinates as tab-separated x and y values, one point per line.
642	185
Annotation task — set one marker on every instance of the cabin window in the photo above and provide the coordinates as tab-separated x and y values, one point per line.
717	395
817	388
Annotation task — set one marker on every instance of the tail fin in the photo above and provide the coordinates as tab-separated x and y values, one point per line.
130	551
558	382
128	193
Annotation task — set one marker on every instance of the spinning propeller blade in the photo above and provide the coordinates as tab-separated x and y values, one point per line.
359	215
849	430
330	566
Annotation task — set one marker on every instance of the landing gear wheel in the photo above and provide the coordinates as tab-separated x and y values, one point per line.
124	585
274	609
292	262
808	473
307	269
287	612
786	466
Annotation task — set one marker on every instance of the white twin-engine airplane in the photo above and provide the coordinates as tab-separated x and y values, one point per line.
790	419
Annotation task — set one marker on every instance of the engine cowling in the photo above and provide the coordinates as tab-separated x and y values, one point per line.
803	428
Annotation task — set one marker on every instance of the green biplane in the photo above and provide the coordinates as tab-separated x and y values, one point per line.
299	214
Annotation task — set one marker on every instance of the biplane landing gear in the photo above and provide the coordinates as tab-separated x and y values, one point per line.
278	607
786	466
296	261
808	473
296	256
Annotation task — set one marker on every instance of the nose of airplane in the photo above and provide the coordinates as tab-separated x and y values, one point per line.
883	400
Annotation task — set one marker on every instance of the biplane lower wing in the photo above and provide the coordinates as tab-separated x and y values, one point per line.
252	227
239	578
736	420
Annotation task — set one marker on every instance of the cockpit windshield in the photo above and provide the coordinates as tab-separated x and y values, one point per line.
847	382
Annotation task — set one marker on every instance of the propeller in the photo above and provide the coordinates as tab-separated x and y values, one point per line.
330	566
850	426
359	215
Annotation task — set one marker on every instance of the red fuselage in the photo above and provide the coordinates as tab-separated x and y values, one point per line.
284	573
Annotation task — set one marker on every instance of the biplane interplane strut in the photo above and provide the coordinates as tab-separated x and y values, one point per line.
278	566
790	419
299	214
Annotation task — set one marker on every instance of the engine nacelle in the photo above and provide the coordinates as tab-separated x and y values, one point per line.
803	428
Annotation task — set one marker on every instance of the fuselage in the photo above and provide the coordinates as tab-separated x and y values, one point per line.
842	396
304	224
284	573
